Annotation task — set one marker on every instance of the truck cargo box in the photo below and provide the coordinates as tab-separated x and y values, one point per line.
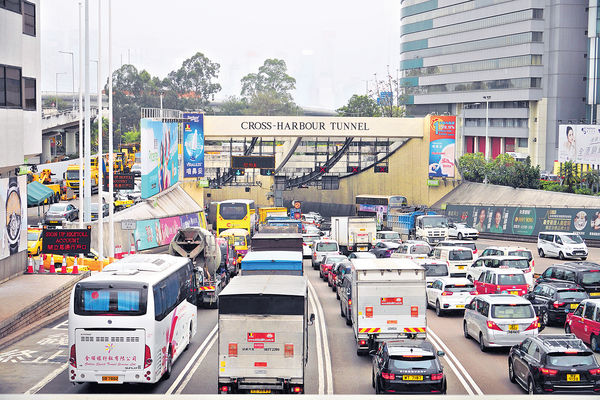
272	262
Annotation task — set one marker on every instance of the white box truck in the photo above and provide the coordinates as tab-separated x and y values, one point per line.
263	334
354	233
388	301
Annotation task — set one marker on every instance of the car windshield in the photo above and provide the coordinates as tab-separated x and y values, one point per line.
310	239
572	295
471	246
331	260
510	311
33	236
435	222
460	255
364	255
519	264
327	246
571	239
511	279
420	249
239	240
435	269
400	362
571	360
590	278
57	208
389	235
459	288
521	253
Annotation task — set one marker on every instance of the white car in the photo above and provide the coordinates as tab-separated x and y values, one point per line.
447	294
434	269
388	236
562	245
484	263
461	231
323	248
307	242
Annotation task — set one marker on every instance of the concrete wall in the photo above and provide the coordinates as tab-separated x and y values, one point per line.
262	195
13	266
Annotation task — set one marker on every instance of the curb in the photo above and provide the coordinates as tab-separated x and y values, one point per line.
28	330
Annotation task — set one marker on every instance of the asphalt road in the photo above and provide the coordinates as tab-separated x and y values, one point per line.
37	364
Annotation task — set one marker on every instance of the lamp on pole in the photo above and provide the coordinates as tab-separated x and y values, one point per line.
56	87
72	73
487	152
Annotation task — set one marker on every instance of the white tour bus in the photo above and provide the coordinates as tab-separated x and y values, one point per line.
131	321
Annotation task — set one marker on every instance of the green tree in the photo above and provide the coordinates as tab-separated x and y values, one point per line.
472	167
194	81
591	180
233	106
569	176
268	91
131	137
359	106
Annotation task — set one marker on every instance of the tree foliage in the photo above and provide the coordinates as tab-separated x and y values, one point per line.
503	170
359	106
193	82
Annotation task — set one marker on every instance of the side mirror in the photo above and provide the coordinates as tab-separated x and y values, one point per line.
372	352
441	353
311	320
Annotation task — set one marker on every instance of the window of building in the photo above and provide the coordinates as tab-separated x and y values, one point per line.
12	87
29	94
28	18
2	87
11	5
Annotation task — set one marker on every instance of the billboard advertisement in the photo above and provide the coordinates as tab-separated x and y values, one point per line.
13	215
193	146
442	140
528	221
579	144
160	164
152	233
66	241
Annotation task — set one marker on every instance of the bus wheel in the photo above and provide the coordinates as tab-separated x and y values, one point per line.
167	373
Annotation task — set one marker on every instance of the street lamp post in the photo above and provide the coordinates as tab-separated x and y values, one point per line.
487	107
72	73
56	87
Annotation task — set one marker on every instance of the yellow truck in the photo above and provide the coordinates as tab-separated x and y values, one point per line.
45	178
265	212
72	175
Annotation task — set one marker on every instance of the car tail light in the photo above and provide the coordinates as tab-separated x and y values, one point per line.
528	270
474	293
349	302
594	270
548	371
556	304
492	325
445	293
532	264
437	377
288	350
147	357
73	357
595	371
297	389
475	251
224	388
534	324
233	350
389	376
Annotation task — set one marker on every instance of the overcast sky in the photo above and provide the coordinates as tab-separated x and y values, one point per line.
331	47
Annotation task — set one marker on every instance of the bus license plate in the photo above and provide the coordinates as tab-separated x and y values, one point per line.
574	306
515	292
573	378
412	377
513	327
110	379
260	391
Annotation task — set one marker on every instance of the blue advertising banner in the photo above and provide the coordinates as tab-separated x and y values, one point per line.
147	234
160	164
442	140
193	146
189	220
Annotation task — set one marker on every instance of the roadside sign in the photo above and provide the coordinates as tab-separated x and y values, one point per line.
433	182
66	241
203	183
128	225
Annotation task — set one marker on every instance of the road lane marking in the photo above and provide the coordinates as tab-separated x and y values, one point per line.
197	365
192	360
47	379
318	340
455	370
62	325
326	350
458	364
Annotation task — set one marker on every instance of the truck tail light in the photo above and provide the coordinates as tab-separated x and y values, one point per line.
233	350
493	326
548	371
437	377
388	376
534	324
147	357
73	357
224	389
297	389
288	350
349	302
445	293
362	342
556	304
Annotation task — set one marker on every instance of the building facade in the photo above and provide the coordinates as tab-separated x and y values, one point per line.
511	70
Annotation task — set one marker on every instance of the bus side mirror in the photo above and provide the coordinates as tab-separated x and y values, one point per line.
311	320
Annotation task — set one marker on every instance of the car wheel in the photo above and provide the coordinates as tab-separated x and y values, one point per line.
459	236
531	389
377	388
545	319
438	309
583	258
511	372
561	255
342	311
541	253
348	320
567	329
594	343
372	378
466	330
482	345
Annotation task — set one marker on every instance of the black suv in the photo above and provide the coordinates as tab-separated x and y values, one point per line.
407	366
559	299
553	364
345	293
584	273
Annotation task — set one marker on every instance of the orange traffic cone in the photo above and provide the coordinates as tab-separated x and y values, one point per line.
63	268
52	270
42	260
132	249
75	268
30	265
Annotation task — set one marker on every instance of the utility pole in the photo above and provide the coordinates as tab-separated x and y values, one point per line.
72	73
111	183
487	152
87	184
80	122
100	155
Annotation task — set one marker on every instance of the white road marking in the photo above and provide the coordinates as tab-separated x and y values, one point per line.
319	348
458	364
47	379
63	325
192	360
326	351
454	369
197	365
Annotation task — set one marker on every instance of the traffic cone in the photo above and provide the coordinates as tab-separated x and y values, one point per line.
118	252
132	249
30	264
75	268
42	260
63	268
52	270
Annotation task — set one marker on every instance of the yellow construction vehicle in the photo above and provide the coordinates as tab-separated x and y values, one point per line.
72	175
45	178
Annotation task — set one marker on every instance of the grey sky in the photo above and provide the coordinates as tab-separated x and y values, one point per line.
330	46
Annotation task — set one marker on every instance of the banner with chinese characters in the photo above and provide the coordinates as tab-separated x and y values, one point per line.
442	138
579	144
160	163
193	146
528	221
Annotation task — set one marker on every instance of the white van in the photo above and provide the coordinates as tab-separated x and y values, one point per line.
457	258
562	245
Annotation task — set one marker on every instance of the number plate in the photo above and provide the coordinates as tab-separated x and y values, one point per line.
513	327
260	391
110	379
54	222
573	306
573	378
461	267
412	377
362	248
460	306
595	294
515	292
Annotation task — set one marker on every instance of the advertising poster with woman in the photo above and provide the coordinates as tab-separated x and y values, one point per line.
160	164
442	140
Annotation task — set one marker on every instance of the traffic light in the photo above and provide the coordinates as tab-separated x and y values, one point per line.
267	171
238	171
381	169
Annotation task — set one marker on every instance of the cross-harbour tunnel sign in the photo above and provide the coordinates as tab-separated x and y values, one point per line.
279	126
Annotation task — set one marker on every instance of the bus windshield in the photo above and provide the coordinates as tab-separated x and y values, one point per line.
233	210
110	298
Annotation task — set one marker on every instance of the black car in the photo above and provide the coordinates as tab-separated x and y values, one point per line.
384	249
554	364
342	269
407	366
584	273
560	298
345	295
